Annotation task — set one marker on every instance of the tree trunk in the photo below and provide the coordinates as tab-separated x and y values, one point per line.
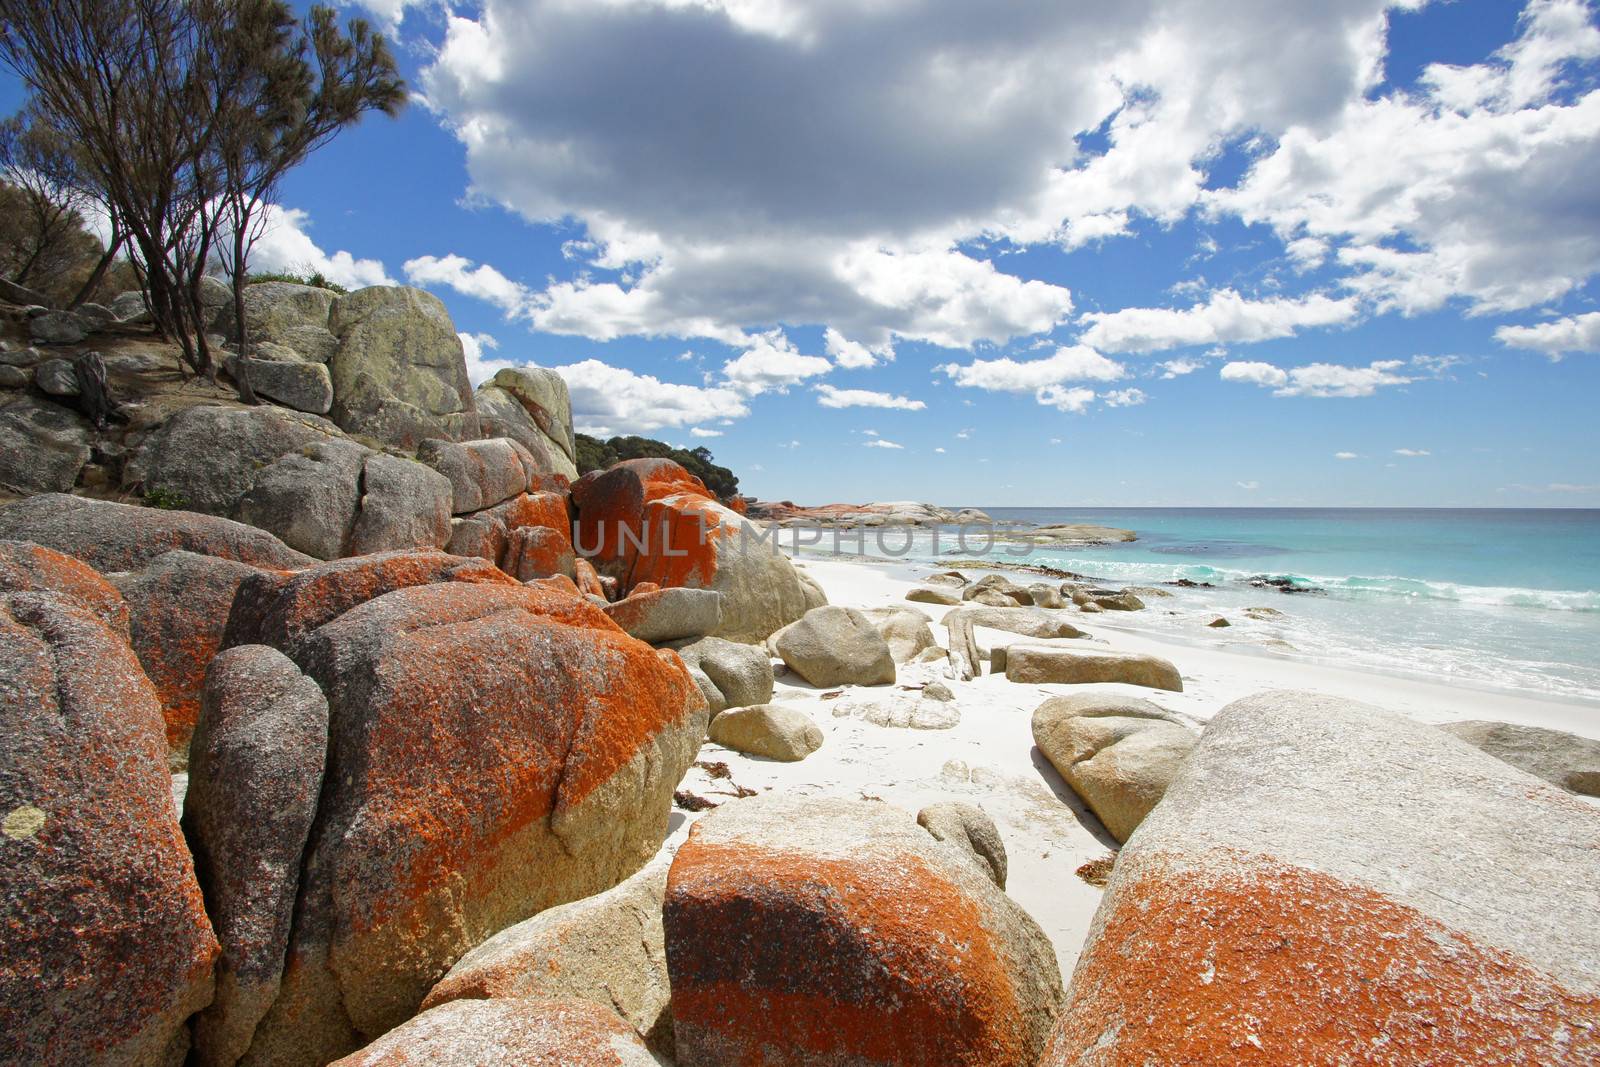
94	397
241	365
100	269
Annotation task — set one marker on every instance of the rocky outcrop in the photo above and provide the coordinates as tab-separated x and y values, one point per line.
775	731
399	374
819	931
298	385
120	537
972	833
528	536
107	948
905	629
534	1033
1040	663
481	473
493	750
1118	753
737	675
894	513
608	949
1329	883
402	505
832	645
659	615
1027	622
531	405
179	606
282	313
1078	533
254	778
1012	594
649	520
30	568
1563	759
43	446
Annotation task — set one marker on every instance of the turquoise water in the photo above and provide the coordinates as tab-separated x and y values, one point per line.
1499	599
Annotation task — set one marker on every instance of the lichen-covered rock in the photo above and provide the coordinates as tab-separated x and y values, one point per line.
43	446
29	568
58	328
207	457
775	731
607	948
971	830
741	675
481	473
399	374
281	610
1040	663
302	386
528	536
287	314
531	405
1564	759
493	750
254	777
107	950
820	932
403	505
832	645
499	1033
1118	753
649	520
179	606
668	614
1329	883
1026	622
587	578
121	537
905	629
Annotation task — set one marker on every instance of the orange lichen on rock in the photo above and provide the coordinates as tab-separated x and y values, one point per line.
587	578
790	958
525	1032
26	567
279	610
1243	960
528	536
649	520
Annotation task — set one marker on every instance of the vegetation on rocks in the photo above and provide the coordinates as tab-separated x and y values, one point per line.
596	455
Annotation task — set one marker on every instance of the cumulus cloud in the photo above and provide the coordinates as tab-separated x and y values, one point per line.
1575	333
700	431
1073	401
1225	318
1346	455
1412	453
1125	398
285	245
480	368
1074	363
772	364
609	400
1319	379
482	282
1177	368
830	397
852	354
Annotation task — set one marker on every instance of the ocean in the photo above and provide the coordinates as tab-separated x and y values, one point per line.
1499	599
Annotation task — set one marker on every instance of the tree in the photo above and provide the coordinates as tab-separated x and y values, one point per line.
44	244
170	104
594	454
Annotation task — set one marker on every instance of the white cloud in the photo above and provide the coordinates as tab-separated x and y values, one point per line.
1068	364
772	364
1074	401
1125	398
1177	368
1250	486
609	400
1412	453
1346	455
699	431
831	397
1225	318
940	451
1319	379
480	368
284	245
481	282
1575	333
850	354
1462	188
879	442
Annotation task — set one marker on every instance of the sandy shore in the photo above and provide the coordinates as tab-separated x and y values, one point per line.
989	759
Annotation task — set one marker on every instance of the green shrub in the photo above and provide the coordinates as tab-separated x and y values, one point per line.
165	499
315	279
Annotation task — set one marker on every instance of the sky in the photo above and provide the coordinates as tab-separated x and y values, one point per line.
1204	253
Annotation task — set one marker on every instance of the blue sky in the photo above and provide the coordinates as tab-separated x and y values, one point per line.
1204	253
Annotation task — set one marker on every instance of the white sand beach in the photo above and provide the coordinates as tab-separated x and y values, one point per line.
989	758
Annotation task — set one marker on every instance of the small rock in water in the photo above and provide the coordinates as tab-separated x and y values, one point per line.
1218	622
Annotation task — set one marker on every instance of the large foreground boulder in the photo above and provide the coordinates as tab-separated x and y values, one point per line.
739	675
1040	663
607	948
493	750
121	537
531	405
399	374
107	950
1567	760
500	1033
254	778
649	520
833	645
1329	883
1118	753
905	629
30	568
813	931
